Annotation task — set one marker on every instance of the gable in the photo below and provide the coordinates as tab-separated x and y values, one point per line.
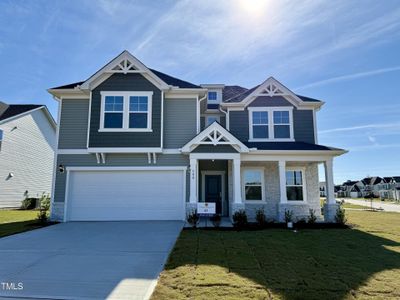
262	101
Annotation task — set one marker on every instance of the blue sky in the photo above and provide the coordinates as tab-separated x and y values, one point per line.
344	52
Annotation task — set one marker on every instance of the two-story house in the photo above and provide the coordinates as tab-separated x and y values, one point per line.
137	144
27	145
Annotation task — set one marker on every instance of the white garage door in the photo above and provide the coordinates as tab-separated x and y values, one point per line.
125	195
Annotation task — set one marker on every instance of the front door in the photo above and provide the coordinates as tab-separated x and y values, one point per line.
213	191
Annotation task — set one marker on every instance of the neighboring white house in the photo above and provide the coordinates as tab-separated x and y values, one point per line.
27	143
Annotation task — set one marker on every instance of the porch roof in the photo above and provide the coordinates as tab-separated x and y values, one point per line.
289	146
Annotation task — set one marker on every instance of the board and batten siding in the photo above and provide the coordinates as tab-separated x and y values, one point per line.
179	122
115	160
73	124
27	152
303	120
125	82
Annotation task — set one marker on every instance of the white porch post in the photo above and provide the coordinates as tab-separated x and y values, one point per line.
330	186
193	180
282	180
237	194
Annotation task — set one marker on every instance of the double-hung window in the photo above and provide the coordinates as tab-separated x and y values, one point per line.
295	185
212	96
270	124
125	111
253	183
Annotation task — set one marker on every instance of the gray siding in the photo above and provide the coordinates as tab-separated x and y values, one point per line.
303	126
125	82
303	123
214	149
114	160
73	124
179	122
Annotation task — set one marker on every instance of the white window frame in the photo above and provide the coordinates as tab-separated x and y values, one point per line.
263	198
270	111
126	111
218	119
303	179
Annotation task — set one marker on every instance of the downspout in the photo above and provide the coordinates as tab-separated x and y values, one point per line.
226	117
198	112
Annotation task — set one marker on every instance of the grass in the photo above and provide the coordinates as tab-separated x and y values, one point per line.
16	221
358	263
356	206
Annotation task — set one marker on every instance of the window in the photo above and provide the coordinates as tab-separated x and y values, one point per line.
270	124
294	185
212	96
253	184
138	111
281	124
113	111
260	125
126	111
212	119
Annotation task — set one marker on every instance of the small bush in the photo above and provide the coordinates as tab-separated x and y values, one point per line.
240	219
193	218
29	203
340	216
44	206
288	216
216	220
260	217
312	218
301	221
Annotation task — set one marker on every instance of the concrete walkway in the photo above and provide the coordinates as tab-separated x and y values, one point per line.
376	205
86	260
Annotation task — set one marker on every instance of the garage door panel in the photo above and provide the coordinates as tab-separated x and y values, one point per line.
126	195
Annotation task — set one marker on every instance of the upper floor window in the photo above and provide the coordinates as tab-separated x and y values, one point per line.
125	111
270	124
212	119
212	96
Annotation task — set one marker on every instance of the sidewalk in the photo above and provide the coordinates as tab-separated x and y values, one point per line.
384	206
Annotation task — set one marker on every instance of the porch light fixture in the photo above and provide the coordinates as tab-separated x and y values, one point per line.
61	168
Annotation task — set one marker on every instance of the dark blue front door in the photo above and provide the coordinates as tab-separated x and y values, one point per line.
213	191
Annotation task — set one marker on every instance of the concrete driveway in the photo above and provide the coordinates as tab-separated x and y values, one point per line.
86	260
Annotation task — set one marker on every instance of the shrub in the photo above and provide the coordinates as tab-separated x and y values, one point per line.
301	221
193	218
216	220
340	216
260	217
312	218
29	203
44	206
239	218
288	216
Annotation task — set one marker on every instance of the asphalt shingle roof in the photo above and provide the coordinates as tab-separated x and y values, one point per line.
288	146
17	109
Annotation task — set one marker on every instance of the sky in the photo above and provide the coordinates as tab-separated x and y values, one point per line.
346	53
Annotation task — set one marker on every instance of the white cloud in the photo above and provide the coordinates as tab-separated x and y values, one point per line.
395	126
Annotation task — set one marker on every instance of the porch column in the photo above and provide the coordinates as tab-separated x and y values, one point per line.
193	180
330	186
237	193
282	181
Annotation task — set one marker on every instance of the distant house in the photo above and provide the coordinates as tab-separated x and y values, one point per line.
346	188
372	184
27	143
322	189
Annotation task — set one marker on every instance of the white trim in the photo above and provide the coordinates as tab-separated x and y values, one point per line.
73	168
315	126
263	195
217	135
138	67
73	151
162	120
271	125
55	169
123	150
203	186
126	110
218	156
304	183
89	118
171	151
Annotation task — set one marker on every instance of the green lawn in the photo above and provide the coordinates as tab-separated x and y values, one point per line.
358	263
15	221
350	205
